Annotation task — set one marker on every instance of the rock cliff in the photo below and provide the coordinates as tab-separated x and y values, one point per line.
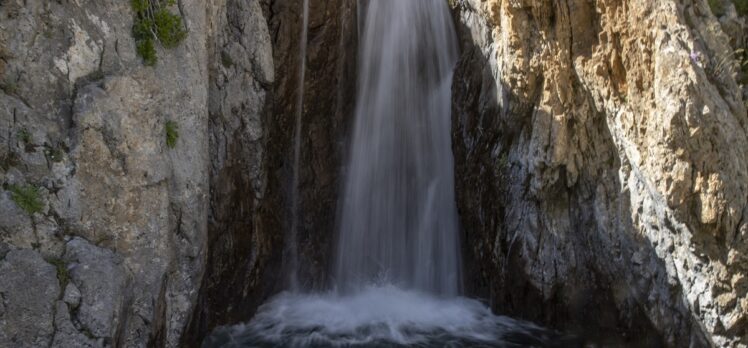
601	166
103	225
144	205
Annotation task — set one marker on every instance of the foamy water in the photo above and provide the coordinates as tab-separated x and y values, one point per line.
380	316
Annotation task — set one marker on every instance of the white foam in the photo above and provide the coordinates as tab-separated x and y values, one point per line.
376	315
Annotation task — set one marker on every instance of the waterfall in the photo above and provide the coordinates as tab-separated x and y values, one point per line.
292	247
397	276
399	220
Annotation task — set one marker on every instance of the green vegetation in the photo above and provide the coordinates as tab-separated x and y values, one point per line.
718	7
741	6
731	63
55	154
9	88
742	57
147	51
27	198
226	60
24	135
172	134
503	161
63	276
154	22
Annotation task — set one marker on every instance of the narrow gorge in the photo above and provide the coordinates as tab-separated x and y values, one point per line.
262	173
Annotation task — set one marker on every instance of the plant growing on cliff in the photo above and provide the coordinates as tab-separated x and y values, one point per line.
155	23
63	276
741	6
730	63
54	154
27	198
172	134
717	7
742	56
24	135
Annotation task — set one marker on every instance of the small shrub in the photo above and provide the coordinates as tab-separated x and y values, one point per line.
147	51
741	6
154	22
24	135
172	134
717	7
503	162
63	276
730	63
27	198
9	88
226	60
169	29
54	154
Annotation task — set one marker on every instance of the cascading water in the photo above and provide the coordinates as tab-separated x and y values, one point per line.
292	247
397	275
399	219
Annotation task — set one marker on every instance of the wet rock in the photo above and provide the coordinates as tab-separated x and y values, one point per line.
254	88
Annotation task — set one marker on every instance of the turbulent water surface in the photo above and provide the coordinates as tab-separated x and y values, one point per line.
381	316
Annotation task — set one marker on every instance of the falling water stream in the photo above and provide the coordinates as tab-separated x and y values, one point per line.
399	219
292	247
397	271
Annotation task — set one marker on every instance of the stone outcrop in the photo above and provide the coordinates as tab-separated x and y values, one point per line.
329	91
120	223
601	167
254	84
149	240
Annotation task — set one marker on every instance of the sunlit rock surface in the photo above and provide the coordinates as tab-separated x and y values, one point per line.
601	166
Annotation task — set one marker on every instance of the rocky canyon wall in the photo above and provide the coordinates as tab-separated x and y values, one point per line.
602	167
254	85
600	150
144	205
103	225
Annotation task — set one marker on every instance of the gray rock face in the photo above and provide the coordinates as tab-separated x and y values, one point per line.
597	178
241	72
101	278
83	121
28	292
66	335
254	75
